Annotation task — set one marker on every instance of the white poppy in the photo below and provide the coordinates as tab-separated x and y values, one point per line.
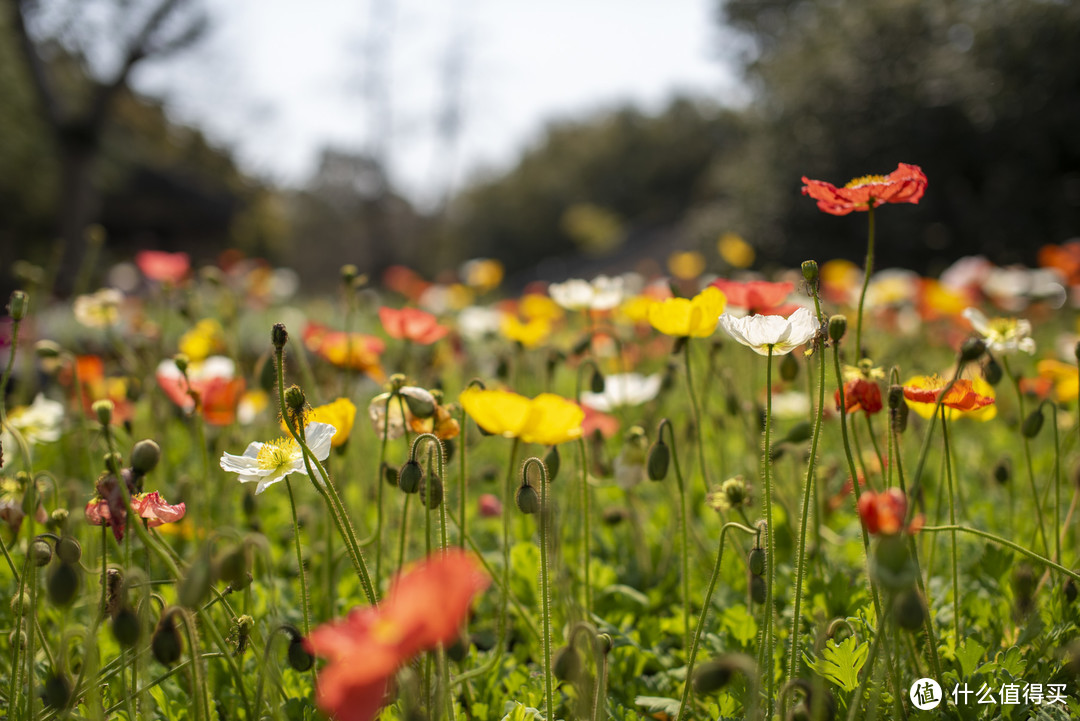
623	389
1003	335
268	463
39	422
760	332
603	293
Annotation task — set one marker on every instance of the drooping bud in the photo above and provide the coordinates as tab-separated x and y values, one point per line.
659	459
756	561
41	552
992	371
972	349
1033	423
165	644
757	589
57	691
232	566
181	360
300	659
431	496
789	368
68	550
62	585
145	456
566	665
712	676
810	271
279	336
552	463
18	306
800	432
20	604
909	610
597	383
125	627
410	476
103	410
47	349
1003	470
390	474
527	499
837	327
195	585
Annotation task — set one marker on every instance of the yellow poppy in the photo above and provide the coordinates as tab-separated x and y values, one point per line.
686	266
202	341
636	309
341	414
529	334
536	306
1064	377
547	419
967	399
696	317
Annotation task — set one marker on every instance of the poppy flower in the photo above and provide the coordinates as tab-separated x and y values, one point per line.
345	350
688	317
39	422
764	332
602	293
94	385
1063	378
906	184
425	608
268	463
163	267
412	324
972	397
758	297
214	387
529	334
108	508
547	419
884	513
489	505
100	309
861	391
205	339
1002	335
405	281
341	414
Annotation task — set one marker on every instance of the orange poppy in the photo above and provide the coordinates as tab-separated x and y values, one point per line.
963	396
860	394
425	608
884	513
906	184
163	267
345	350
412	324
758	297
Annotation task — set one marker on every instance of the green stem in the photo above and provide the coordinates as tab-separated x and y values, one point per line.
1007	544
684	535
770	546
952	520
545	582
404	532
696	413
299	560
866	280
1027	454
381	482
586	536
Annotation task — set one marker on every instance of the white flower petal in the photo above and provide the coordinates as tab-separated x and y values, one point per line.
318	437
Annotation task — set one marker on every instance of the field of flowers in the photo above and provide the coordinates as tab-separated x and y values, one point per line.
829	494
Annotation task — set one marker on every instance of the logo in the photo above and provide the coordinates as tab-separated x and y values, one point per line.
925	694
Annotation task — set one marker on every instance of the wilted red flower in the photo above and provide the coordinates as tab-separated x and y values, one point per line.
108	509
163	267
906	184
884	513
412	324
758	297
425	608
860	394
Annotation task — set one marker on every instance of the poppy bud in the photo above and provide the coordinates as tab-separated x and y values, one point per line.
349	273
757	589
1003	471
103	410
58	519
712	676
658	461
250	505
294	398
41	552
992	372
232	566
756	561
679	344
57	691
195	586
527	500
125	627
410	476
390	474
837	327
20	604
181	360
613	515
502	368
300	659
800	432
596	383
909	610
582	345
432	498
810	271
896	397
145	456
566	664
972	349
1033	423
18	306
552	463
279	336
62	585
1024	584
789	368
47	349
165	644
458	651
604	643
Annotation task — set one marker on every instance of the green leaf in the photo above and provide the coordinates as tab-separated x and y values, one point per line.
968	656
738	622
659	704
521	712
841	663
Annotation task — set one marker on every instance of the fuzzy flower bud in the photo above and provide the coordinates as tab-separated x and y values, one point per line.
18	306
810	271
837	327
279	336
103	409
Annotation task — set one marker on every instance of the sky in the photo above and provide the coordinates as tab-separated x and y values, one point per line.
277	80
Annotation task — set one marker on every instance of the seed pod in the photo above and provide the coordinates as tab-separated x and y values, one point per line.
992	371
527	500
299	657
658	461
410	476
165	644
756	561
566	664
596	383
712	676
909	610
145	456
434	498
62	584
757	589
789	368
57	691
552	463
68	550
125	627
41	552
1033	423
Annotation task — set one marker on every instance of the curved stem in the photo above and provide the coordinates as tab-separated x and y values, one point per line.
1007	544
866	280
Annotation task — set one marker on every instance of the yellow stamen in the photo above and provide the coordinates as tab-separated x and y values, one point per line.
865	180
275	454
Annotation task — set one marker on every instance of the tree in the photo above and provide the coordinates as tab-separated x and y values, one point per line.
77	70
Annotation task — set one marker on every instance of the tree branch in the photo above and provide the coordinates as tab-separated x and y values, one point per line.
38	75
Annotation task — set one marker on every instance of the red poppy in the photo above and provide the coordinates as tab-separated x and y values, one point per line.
155	511
412	324
108	509
490	506
860	394
95	386
758	297
163	267
405	281
906	184
608	425
884	513
1064	258
425	608
213	385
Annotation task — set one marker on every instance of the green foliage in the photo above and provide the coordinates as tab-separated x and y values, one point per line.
841	663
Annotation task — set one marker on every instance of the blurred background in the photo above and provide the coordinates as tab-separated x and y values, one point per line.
560	138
